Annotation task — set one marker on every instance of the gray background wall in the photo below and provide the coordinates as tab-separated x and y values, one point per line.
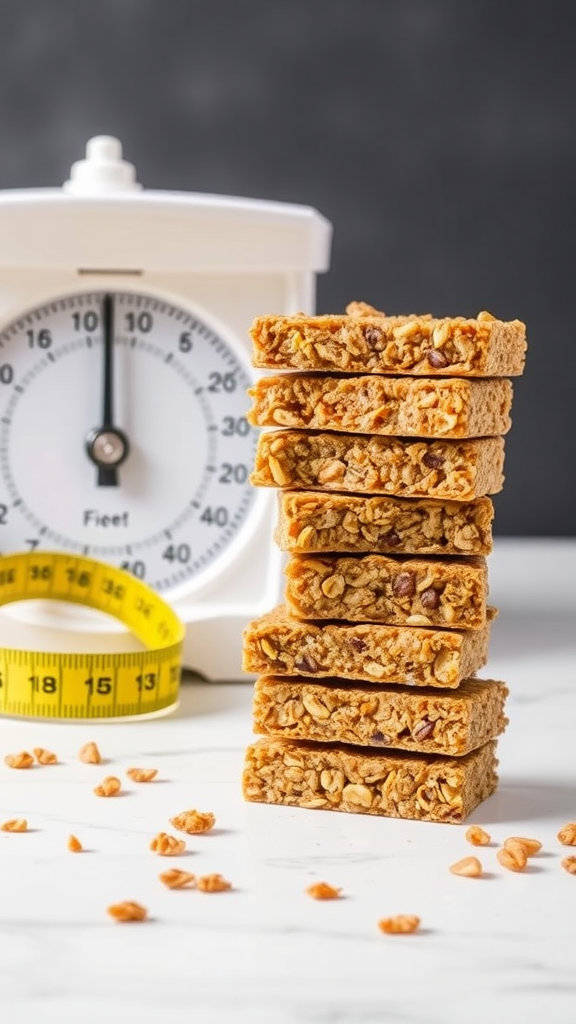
439	136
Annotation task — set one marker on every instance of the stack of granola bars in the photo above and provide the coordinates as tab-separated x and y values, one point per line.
385	437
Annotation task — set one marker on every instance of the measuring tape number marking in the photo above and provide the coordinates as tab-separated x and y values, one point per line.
43	684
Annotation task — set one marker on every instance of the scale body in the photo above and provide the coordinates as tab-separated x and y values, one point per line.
195	267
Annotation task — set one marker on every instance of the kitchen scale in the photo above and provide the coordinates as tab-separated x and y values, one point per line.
124	364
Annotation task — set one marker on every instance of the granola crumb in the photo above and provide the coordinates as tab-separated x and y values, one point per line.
21	760
142	774
569	865
323	891
14	825
89	754
512	858
44	756
74	844
468	867
567	834
477	836
110	786
213	883
530	846
176	879
128	910
400	924
166	845
193	822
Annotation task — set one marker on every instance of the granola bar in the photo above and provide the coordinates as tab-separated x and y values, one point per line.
373	404
454	470
281	645
320	521
402	718
368	341
396	785
398	591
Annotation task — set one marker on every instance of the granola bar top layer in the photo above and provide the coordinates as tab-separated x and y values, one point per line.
395	785
454	470
281	645
398	591
319	521
429	721
365	340
425	407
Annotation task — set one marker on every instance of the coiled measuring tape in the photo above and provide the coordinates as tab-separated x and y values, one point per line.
57	685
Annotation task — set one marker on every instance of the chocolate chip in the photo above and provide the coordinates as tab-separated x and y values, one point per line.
430	598
379	737
423	730
392	538
307	664
404	585
373	336
358	643
436	358
433	461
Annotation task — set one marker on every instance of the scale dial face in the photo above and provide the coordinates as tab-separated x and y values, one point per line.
123	436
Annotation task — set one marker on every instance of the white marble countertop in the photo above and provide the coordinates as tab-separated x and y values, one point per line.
498	948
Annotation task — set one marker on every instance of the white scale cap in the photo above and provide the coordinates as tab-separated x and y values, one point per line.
103	170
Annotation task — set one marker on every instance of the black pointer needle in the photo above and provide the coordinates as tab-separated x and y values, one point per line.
107	446
108	363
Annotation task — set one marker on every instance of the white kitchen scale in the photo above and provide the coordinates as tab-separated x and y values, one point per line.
124	364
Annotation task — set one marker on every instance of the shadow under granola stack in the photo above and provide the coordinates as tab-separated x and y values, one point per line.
385	439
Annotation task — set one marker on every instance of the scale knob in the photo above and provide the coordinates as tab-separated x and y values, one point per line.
103	170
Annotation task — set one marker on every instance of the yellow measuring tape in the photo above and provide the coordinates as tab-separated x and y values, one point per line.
55	685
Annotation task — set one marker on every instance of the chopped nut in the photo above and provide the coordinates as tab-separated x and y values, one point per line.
213	883
401	924
476	836
469	867
176	879
362	309
323	891
315	707
514	859
14	825
356	793
44	756
569	865
268	649
142	774
166	845
450	795
529	846
110	786
89	754
74	845
193	822
129	910
332	779
333	586
277	472
567	834
21	760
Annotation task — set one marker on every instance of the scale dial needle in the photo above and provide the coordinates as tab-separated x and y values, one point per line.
107	446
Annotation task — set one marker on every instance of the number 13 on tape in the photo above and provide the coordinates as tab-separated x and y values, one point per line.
91	685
